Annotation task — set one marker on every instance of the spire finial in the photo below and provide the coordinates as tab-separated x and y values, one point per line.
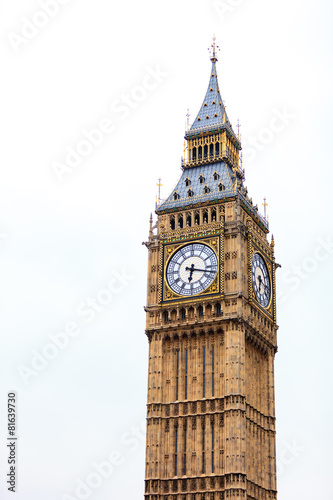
159	185
151	225
188	120
265	205
238	127
214	48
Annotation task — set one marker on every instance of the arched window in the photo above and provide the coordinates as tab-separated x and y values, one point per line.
166	316
172	222
187	182
206	189
221	187
189	220
194	154
183	314
180	221
176	196
213	214
190	193
201	179
200	153
218	309
215	176
217	148
196	218
200	312
205	217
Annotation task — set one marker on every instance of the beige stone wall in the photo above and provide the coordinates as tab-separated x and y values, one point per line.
237	419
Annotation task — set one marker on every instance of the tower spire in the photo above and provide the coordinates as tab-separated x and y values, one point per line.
213	119
212	114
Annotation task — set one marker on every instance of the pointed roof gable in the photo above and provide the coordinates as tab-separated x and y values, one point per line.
212	114
212	111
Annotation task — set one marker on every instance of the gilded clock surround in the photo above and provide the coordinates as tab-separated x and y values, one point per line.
168	250
210	399
269	260
265	306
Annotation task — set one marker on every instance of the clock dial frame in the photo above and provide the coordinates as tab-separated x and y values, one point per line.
261	280
191	269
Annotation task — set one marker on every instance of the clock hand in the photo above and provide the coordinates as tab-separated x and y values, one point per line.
261	283
200	270
191	269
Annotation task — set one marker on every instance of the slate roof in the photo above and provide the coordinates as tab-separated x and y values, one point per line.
224	174
212	114
232	186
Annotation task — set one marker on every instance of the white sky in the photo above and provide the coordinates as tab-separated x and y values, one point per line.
62	242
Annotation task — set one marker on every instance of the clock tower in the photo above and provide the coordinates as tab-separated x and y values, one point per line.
211	326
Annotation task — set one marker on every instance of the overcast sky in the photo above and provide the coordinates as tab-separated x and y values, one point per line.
93	103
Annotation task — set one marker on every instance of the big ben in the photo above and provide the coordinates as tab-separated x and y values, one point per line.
211	326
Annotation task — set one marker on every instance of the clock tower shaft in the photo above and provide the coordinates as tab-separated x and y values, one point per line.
210	404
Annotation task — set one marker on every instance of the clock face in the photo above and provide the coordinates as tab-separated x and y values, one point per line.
260	279
191	269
